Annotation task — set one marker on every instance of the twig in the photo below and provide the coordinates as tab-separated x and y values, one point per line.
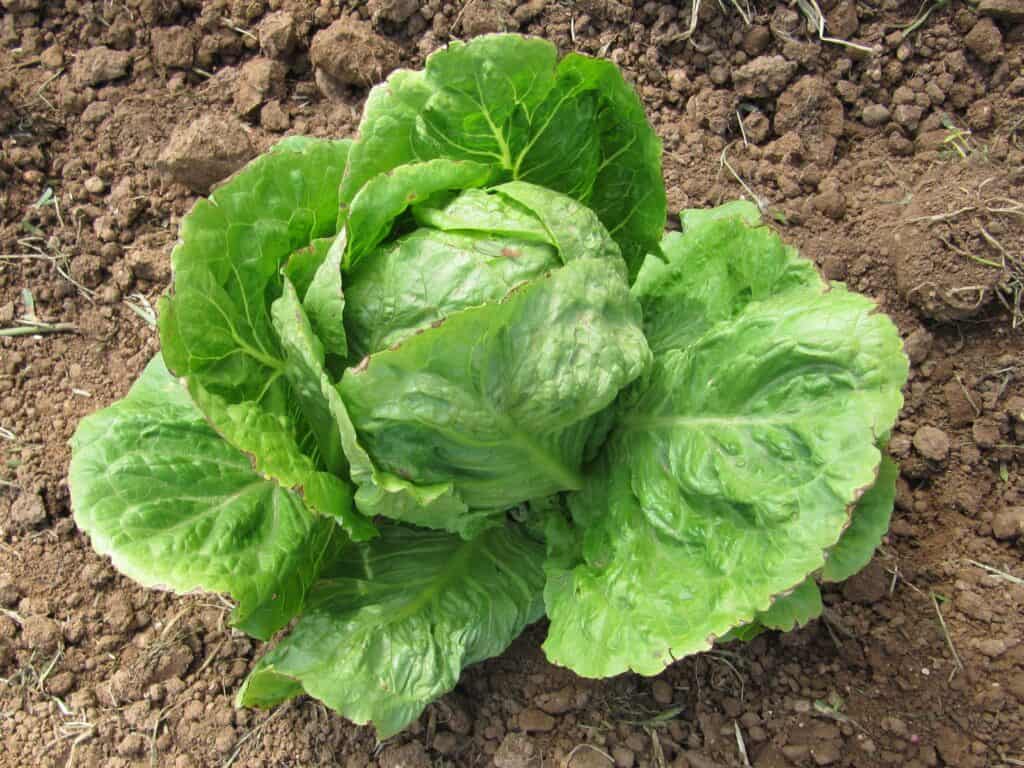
958	665
762	205
817	20
740	744
33	329
996	572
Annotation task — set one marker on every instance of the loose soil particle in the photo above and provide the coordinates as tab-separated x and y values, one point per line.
127	110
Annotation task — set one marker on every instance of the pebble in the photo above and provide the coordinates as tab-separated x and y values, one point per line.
28	510
515	751
95	185
1008	524
206	150
875	115
662	692
932	443
918	345
535	720
624	757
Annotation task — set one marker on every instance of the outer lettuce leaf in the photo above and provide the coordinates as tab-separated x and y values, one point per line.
868	525
719	263
795	608
324	300
498	399
216	327
393	623
175	506
734	466
502	101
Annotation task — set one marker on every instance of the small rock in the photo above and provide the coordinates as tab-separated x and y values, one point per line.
395	11
875	115
623	756
756	40
992	647
1015	685
60	684
980	115
7	313
445	743
148	264
763	77
277	34
985	432
589	757
10	593
918	345
132	745
556	702
52	57
97	112
515	751
94	185
826	752
1008	524
868	585
349	52
908	115
173	47
28	510
259	79
757	126
985	41
932	443
273	117
952	746
99	65
412	754
40	633
842	20
831	203
1007	10
662	692
205	151
535	720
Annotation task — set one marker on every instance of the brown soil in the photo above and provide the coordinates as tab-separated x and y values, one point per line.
853	155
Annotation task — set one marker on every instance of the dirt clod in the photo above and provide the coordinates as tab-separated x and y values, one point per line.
28	510
349	52
535	720
985	41
763	77
932	443
205	151
100	65
515	751
277	35
173	47
1008	524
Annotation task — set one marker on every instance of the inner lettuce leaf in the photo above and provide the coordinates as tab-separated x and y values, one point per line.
499	400
392	623
507	103
177	507
734	464
471	251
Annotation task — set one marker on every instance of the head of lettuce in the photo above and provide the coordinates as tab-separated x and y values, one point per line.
417	389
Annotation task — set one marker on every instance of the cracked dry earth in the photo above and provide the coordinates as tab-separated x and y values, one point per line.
896	163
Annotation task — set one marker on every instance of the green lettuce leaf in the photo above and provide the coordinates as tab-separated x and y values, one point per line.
733	467
498	399
696	286
217	329
505	102
868	525
392	624
175	506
